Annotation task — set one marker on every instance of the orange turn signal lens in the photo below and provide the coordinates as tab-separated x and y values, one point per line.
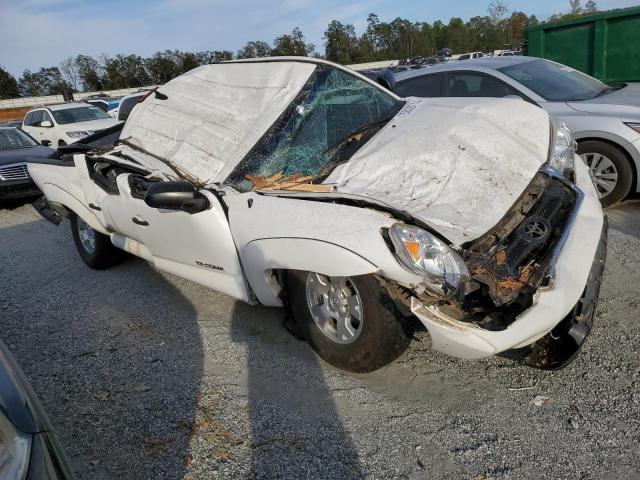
413	248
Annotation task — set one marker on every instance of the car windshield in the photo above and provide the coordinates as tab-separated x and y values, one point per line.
555	82
332	117
79	114
12	138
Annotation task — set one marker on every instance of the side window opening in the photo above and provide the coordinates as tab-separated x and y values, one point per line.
423	86
477	85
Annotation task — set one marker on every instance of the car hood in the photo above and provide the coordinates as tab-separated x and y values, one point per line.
22	154
457	164
622	102
93	125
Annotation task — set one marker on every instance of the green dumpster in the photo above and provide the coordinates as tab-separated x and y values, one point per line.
604	45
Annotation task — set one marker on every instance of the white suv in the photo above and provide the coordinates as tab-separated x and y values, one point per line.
65	123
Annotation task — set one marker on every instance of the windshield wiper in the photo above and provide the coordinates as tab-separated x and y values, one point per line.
604	91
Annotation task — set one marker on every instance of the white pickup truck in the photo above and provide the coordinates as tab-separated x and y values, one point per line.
296	182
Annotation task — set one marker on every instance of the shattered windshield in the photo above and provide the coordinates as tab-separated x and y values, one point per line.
332	117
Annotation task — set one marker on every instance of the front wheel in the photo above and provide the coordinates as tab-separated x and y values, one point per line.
610	170
351	322
96	249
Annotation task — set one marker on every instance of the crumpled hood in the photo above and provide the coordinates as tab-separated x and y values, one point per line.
458	164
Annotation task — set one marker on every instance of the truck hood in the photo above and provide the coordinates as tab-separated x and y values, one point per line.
624	102
457	164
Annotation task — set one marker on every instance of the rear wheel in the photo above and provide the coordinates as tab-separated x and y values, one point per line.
610	170
96	249
349	321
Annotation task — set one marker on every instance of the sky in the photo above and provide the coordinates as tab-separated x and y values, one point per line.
42	33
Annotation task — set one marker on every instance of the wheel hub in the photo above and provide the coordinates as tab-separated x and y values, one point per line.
87	236
604	174
335	306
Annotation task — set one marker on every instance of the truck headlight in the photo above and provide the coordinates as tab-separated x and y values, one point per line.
78	134
14	450
427	255
563	148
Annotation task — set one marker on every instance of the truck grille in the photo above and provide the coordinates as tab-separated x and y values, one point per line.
17	171
523	248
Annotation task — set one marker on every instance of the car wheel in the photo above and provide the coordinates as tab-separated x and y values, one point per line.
351	322
96	249
610	170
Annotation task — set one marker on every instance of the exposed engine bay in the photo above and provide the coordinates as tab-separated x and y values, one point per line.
509	263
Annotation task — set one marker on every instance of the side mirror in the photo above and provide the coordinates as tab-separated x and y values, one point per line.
46	124
178	195
46	143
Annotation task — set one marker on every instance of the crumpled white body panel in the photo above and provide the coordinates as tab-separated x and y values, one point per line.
458	164
215	114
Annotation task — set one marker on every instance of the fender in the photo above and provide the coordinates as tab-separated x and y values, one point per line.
260	257
57	195
60	185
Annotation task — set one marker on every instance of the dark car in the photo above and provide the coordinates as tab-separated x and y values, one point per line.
29	448
16	148
11	123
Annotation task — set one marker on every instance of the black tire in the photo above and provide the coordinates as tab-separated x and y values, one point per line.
621	163
385	333
104	255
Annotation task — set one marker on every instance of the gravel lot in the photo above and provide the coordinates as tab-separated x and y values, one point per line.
145	375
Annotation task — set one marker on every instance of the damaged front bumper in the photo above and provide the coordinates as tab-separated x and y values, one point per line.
560	308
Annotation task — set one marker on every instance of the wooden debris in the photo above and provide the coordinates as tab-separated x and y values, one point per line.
292	182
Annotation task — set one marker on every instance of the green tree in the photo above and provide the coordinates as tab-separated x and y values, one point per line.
8	85
255	49
163	66
214	56
89	72
458	37
293	44
46	81
516	26
124	71
341	43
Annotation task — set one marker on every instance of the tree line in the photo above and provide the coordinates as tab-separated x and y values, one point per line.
397	39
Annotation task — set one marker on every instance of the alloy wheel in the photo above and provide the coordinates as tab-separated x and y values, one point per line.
603	172
336	307
87	236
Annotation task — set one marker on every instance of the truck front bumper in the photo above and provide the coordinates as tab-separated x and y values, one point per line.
564	308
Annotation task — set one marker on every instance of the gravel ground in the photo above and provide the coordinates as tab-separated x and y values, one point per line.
145	375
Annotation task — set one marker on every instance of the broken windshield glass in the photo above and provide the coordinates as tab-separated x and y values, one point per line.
332	117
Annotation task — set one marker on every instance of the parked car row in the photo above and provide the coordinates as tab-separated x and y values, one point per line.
604	119
16	148
360	210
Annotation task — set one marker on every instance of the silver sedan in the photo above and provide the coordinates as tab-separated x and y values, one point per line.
604	119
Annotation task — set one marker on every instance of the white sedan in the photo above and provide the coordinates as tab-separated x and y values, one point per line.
296	182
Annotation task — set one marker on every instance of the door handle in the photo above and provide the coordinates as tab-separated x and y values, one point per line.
94	206
139	221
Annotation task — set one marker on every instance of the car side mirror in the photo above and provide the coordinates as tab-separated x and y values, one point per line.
46	124
176	195
46	143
